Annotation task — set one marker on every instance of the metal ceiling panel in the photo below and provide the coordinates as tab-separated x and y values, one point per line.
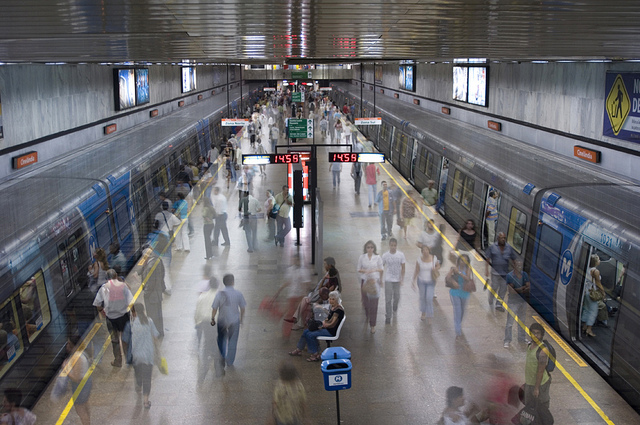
274	31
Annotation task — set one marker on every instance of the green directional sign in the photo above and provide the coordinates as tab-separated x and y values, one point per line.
300	75
300	129
296	96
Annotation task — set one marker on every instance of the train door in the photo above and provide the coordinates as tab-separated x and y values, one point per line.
160	180
490	216
73	259
414	158
442	184
141	208
598	319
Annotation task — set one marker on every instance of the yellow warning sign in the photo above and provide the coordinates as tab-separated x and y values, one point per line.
618	105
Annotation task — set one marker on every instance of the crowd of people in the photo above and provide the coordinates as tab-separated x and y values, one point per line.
315	309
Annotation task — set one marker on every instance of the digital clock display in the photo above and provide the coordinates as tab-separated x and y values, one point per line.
285	158
343	157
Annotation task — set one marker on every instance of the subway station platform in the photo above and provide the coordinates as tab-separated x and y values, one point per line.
400	373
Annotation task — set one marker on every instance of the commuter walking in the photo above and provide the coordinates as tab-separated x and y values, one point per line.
113	300
13	413
219	202
386	203
230	305
208	218
284	201
394	263
249	207
500	257
289	406
270	216
460	281
425	277
370	178
356	175
164	223
153	276
370	267
206	333
537	380
143	336
336	169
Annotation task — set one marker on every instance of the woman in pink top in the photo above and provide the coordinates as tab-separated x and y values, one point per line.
370	175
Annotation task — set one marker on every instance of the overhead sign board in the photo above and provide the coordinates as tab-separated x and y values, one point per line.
356	157
300	128
325	89
282	158
296	96
369	121
622	106
234	122
301	75
269	89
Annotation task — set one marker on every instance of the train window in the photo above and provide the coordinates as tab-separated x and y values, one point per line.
102	229
467	193
548	253
65	272
422	164
160	180
403	144
122	218
35	305
429	169
517	226
384	133
456	190
11	346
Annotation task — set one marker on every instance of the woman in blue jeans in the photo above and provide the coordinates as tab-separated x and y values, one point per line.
460	280
327	328
426	265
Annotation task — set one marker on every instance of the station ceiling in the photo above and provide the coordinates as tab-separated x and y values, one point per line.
316	31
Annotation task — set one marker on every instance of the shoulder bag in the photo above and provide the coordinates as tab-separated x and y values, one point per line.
435	274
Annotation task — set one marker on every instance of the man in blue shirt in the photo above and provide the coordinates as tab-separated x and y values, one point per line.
229	304
500	257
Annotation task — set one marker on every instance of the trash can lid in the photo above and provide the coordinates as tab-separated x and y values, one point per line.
335	353
336	366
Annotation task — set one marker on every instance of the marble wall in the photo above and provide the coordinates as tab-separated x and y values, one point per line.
42	100
567	97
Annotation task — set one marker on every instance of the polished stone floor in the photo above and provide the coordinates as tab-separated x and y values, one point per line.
400	373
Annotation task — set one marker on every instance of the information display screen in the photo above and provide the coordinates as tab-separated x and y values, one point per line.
281	158
356	157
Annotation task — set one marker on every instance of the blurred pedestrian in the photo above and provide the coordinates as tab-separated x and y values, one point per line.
460	281
289	405
230	306
13	413
153	276
205	332
394	263
270	216
424	280
143	335
371	269
297	281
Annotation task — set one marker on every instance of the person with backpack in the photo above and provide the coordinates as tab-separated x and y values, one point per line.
113	300
540	362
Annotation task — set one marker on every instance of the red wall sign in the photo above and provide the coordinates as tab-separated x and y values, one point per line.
587	154
446	110
200	97
416	101
110	129
153	113
493	125
181	104
396	95
24	160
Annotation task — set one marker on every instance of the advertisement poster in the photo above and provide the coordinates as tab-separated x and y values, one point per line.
460	83
478	86
401	77
622	106
126	88
142	86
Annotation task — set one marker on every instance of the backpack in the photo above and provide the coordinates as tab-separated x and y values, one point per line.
551	363
115	295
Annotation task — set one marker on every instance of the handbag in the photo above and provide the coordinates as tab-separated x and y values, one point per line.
469	286
526	416
313	325
370	288
159	360
596	294
435	274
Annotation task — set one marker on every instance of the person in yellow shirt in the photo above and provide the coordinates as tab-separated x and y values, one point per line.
385	210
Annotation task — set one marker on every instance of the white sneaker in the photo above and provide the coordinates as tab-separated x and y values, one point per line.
506	345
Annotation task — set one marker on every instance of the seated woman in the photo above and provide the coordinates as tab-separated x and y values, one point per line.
328	327
331	281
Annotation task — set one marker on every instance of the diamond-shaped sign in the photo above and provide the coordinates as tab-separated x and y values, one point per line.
618	105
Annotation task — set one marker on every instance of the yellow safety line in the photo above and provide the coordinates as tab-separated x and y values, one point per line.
517	319
558	339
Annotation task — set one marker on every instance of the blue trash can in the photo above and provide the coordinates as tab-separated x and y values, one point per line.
336	368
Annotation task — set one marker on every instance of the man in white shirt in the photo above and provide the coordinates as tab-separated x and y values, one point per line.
166	222
219	202
248	208
283	223
394	267
113	298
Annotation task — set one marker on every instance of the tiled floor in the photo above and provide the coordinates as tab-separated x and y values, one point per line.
400	374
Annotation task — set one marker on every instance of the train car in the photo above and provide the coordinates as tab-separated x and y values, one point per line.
57	215
555	212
